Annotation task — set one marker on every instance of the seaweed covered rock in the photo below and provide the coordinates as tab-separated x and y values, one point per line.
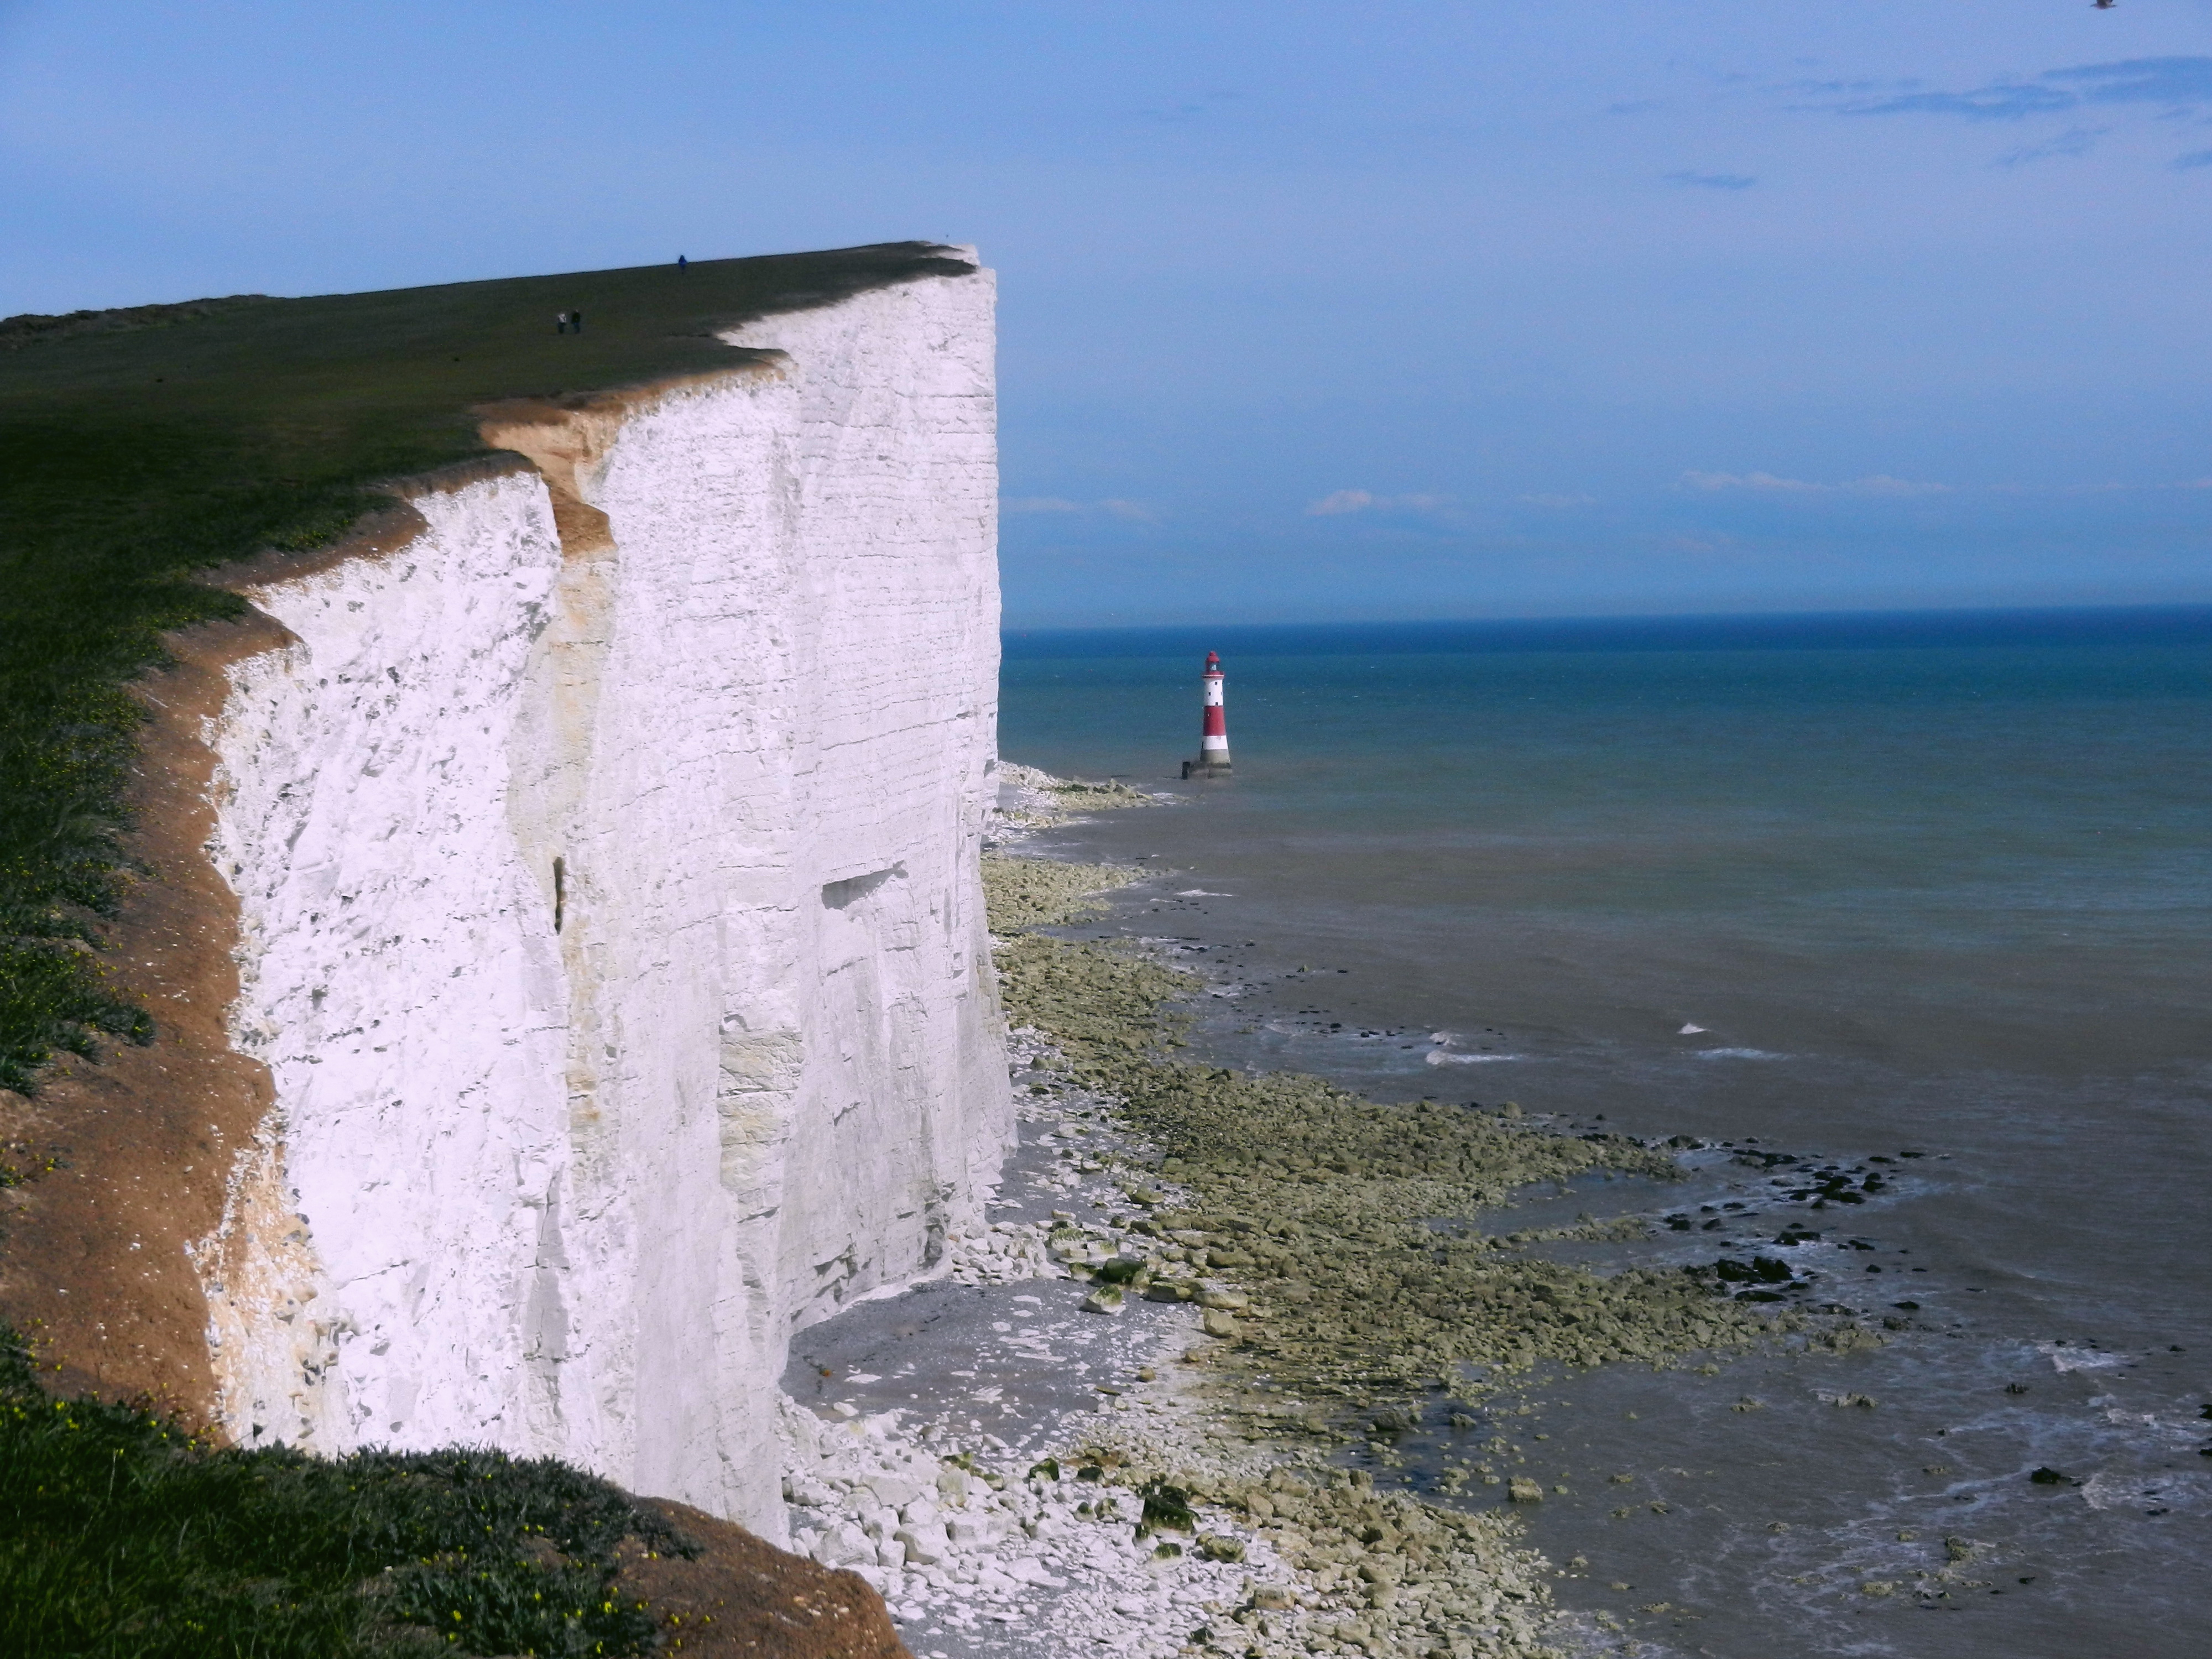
1321	1205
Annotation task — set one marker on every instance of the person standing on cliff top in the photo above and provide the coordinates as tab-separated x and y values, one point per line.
559	322
681	264
575	322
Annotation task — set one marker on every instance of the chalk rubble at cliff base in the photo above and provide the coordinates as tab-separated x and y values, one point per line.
970	1541
1142	1543
1030	798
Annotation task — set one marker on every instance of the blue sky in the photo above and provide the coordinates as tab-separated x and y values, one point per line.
1369	310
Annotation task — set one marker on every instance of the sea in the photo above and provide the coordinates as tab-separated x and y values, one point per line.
1900	925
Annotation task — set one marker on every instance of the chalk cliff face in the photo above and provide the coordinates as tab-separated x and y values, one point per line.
607	863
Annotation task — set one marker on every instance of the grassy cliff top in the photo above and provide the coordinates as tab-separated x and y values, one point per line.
140	445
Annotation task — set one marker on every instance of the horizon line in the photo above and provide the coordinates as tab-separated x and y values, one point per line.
1831	614
2170	622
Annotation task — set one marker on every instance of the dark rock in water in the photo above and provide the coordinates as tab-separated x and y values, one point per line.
2015	1387
2047	1476
1760	1269
1909	1306
1760	1295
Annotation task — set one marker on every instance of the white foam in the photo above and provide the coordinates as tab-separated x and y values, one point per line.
1444	1057
2064	1358
1739	1053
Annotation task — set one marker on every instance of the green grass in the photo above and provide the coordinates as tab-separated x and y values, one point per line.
139	447
121	1537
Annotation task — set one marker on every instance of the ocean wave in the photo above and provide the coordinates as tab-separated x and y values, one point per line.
1200	892
1443	1057
1739	1053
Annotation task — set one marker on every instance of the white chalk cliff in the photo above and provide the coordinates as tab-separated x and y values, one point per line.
609	918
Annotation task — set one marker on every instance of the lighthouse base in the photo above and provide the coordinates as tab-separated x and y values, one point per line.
1208	766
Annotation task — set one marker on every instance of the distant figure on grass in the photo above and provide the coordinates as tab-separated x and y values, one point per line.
559	322
682	263
575	322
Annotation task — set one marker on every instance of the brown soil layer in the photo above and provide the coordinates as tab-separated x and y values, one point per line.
94	1267
742	1597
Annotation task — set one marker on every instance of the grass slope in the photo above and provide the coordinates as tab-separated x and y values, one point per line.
121	1537
138	447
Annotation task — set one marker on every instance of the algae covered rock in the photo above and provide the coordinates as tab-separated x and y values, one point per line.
1044	893
1327	1209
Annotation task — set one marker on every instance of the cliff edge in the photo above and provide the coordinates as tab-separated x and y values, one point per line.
583	863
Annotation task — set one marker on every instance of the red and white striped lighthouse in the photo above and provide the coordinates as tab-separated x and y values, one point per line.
1213	727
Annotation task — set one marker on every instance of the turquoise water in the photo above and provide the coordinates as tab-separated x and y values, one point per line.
1941	885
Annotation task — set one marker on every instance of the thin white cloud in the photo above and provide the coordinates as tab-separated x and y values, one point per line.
1559	500
1766	483
1341	502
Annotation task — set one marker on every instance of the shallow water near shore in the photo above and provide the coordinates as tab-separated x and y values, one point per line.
1945	904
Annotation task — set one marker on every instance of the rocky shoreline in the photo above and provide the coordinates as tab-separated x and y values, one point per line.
1295	1277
